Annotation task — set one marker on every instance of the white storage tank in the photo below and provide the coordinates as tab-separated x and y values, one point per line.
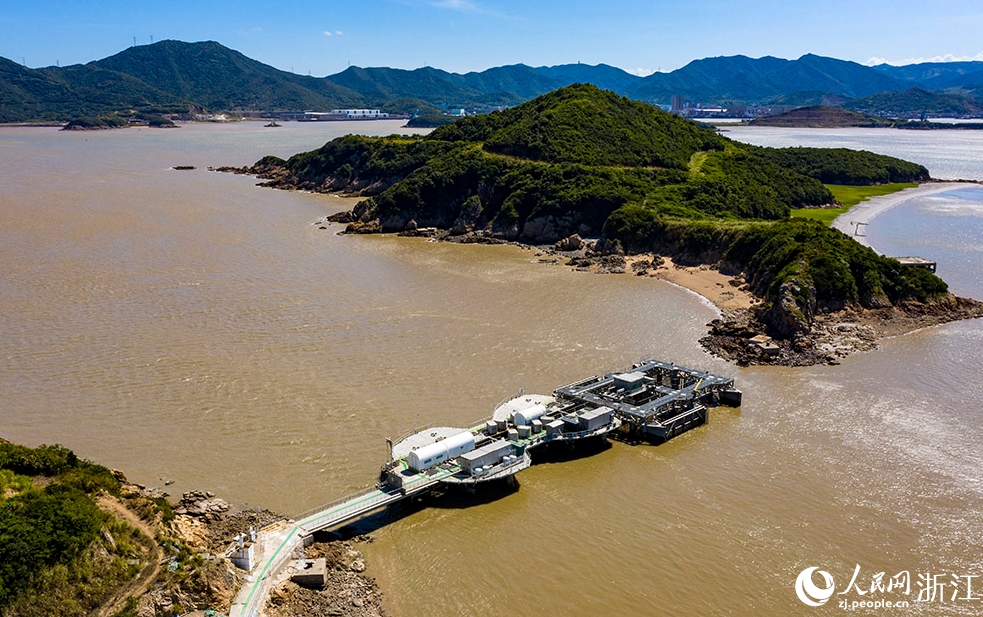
527	415
436	453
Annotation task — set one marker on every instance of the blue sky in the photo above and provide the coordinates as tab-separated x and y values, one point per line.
322	38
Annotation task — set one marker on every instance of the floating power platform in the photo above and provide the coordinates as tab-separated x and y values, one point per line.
658	400
652	399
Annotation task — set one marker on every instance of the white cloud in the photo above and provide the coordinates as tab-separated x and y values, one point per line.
456	5
640	72
874	60
335	33
327	33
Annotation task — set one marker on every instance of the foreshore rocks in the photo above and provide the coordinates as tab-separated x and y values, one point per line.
208	525
832	335
347	590
275	175
800	330
203	504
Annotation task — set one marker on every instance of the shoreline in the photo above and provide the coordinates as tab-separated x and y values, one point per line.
867	210
723	292
739	335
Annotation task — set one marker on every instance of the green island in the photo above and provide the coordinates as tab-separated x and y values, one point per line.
585	162
118	121
823	116
62	550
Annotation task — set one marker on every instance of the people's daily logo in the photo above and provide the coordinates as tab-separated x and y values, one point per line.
809	592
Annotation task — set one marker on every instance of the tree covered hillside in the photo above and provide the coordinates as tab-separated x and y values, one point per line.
582	160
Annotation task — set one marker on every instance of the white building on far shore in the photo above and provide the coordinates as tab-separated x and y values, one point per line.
359	114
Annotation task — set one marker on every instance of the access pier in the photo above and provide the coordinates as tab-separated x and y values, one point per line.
653	399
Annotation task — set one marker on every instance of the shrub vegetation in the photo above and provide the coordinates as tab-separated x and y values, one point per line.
46	533
582	160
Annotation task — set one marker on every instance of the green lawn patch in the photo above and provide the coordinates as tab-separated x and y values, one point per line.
849	196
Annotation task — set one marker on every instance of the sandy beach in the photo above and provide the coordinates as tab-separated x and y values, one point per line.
727	293
724	292
862	213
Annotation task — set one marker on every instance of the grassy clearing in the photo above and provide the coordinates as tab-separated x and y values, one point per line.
849	196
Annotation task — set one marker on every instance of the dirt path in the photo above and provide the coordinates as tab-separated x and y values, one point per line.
148	574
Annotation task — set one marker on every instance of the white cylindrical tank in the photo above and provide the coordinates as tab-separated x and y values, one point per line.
526	416
436	453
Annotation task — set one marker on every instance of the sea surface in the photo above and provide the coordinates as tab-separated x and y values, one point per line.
190	327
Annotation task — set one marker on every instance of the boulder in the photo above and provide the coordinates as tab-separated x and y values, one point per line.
608	247
570	243
203	504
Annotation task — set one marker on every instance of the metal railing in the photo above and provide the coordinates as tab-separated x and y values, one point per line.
337	502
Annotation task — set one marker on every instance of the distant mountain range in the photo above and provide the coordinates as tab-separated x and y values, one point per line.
170	76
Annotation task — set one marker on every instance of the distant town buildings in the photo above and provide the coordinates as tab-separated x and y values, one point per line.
359	114
319	116
678	105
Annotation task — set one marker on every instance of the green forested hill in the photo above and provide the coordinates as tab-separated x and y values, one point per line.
820	116
217	77
582	160
915	100
60	94
177	74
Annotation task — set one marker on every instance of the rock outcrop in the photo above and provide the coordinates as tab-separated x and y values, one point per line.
202	504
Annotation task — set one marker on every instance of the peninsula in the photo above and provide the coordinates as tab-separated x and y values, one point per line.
580	162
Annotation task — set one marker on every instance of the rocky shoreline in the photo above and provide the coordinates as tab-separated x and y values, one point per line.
833	336
740	335
744	334
202	528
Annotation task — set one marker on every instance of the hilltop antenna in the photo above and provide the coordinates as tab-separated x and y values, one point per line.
23	60
151	39
134	41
